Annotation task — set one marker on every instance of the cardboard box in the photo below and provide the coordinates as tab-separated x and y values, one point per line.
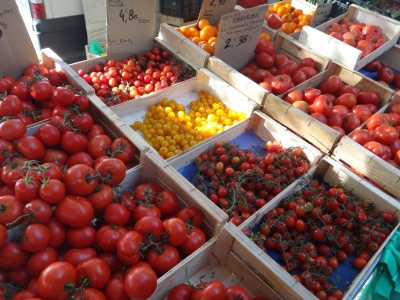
341	52
314	131
333	173
251	134
386	176
285	45
218	260
184	93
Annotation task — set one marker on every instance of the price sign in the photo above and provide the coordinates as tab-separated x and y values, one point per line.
321	14
238	35
16	50
130	27
213	10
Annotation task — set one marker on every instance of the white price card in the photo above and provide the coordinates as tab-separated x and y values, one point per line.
238	35
213	10
321	14
130	27
16	49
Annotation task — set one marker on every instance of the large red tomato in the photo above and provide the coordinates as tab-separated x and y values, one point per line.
140	281
209	290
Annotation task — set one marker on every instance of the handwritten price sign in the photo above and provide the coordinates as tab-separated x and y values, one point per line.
238	34
130	27
213	10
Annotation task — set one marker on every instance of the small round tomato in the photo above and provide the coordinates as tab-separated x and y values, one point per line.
194	240
95	270
359	263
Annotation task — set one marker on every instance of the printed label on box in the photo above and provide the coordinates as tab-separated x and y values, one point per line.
213	10
130	27
238	35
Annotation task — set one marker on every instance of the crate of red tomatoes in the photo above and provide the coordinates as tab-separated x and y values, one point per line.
114	232
275	68
377	146
242	169
321	235
354	38
330	105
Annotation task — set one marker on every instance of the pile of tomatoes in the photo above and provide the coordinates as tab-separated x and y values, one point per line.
317	229
365	37
276	72
341	106
240	181
117	81
213	289
287	17
33	97
384	74
68	227
381	135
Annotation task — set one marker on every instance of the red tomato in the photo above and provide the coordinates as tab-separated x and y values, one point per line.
128	247
310	94
191	215
63	96
298	77
53	279
287	68
94	269
98	145
385	134
163	261
40	260
147	225
12	256
372	29
369	98
74	211
75	256
281	83
359	263
386	74
10	106
348	100
264	60
81	237
308	71
194	240
362	136
73	142
237	292
111	170
323	105
140	281
274	21
115	289
80	180
362	111
168	202
176	230
350	122
123	149
36	69
12	129
41	90
333	84
375	147
11	209
209	290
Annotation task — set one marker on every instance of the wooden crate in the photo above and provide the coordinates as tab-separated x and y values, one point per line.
368	164
217	260
314	131
89	64
285	45
331	172
184	93
250	134
341	52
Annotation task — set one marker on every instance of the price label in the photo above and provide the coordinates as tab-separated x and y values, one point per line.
130	27
238	35
213	10
321	14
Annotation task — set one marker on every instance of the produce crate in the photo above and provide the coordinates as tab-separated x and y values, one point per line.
184	93
218	260
341	52
333	173
289	46
391	58
251	134
368	164
314	131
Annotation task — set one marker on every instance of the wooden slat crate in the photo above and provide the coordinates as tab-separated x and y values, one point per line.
368	164
345	54
184	93
260	125
285	45
314	131
333	173
217	260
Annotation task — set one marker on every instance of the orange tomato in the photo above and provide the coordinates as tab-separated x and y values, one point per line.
208	32
185	30
193	32
203	23
265	36
282	11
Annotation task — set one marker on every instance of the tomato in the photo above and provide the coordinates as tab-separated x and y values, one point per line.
12	129
287	68
362	136
116	214
140	281
39	210
298	77
279	60
350	122
281	83
63	96
376	148
149	225
237	292
10	209
95	270
12	256
98	145
80	180
40	260
176	230
385	134
191	215
53	279
168	202
31	147
6	149
89	293
36	237
209	290
41	90
115	289
128	247
36	70
123	149
111	170
48	135
359	263
194	240
52	191
264	60
386	74
333	84
146	191
164	259
372	29
101	197
310	94
10	105
26	189
74	211
81	237
369	97
73	142
308	71
323	105
274	21
107	237
82	122
347	99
